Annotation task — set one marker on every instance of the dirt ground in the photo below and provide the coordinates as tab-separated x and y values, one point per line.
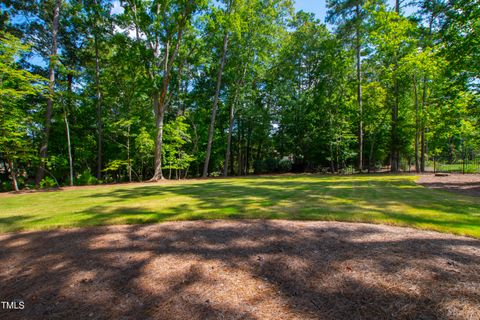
460	183
240	270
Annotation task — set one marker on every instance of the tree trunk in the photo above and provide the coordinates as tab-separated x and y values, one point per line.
67	128
128	156
371	162
422	134
159	116
229	139
232	162
69	146
423	148
215	106
99	112
13	174
160	102
239	153
395	153
51	90
248	151
417	126
359	91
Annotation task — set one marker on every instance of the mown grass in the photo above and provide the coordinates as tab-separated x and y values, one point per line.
387	199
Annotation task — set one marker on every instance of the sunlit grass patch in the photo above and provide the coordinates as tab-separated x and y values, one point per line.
388	199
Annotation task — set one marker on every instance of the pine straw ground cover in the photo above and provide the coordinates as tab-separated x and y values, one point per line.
459	183
241	270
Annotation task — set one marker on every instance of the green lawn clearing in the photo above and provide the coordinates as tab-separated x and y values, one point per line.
387	199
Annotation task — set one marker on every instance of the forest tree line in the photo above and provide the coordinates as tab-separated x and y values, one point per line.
99	91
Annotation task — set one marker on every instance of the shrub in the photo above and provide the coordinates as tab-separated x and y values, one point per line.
215	174
259	167
272	165
86	178
284	165
6	186
47	182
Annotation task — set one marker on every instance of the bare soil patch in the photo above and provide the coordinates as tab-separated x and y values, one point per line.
468	184
241	270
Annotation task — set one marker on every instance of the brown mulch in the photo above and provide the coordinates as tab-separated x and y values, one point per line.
240	270
468	184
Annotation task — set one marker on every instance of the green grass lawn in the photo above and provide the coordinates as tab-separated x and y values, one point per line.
387	199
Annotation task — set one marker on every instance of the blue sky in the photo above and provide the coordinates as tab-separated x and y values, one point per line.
316	6
319	7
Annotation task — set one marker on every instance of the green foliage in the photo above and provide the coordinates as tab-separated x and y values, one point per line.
176	136
86	179
284	165
115	166
272	165
144	144
47	182
16	87
289	86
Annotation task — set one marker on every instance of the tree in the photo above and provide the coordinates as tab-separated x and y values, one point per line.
261	88
15	86
162	26
229	7
391	36
176	157
51	89
350	17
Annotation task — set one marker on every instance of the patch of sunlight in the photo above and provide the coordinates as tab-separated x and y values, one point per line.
408	187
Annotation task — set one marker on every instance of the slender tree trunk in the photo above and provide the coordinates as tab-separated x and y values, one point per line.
422	134
13	174
69	146
215	106
259	151
422	149
51	90
232	162
99	111
67	128
247	153
423	142
394	147
160	102
359	91
229	139
239	153
228	153
371	162
159	116
395	153
128	156
417	126
332	166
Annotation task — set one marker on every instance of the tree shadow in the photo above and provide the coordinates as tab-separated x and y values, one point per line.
342	199
240	270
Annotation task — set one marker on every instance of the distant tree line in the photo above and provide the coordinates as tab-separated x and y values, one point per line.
100	91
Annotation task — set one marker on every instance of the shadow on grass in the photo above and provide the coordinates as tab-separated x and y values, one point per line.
239	270
364	199
374	199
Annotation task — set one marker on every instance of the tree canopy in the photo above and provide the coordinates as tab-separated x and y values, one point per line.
101	91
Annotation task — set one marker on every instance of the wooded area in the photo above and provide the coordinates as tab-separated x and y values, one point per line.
101	91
